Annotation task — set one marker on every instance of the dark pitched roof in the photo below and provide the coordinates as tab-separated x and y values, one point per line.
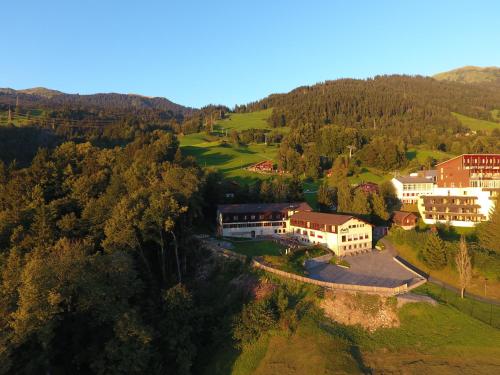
323	218
399	216
262	207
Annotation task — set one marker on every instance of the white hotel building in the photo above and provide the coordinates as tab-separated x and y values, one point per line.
343	234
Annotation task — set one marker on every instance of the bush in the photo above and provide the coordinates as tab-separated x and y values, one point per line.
256	318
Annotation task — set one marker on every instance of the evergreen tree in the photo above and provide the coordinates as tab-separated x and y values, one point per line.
360	204
433	253
489	232
344	196
325	197
378	208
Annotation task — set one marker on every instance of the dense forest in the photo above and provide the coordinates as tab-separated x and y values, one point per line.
386	113
100	268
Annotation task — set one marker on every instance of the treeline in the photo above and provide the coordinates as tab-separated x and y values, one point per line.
377	120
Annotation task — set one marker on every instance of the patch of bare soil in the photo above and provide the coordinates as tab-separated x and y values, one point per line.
252	286
369	311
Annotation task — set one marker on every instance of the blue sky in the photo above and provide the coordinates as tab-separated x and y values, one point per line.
233	52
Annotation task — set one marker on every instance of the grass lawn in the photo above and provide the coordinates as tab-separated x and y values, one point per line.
421	154
370	175
257	248
475	124
244	121
450	276
293	262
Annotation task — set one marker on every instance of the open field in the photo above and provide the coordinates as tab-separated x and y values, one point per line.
244	121
421	154
475	124
370	175
229	159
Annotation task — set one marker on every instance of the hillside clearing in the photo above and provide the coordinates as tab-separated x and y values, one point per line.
475	124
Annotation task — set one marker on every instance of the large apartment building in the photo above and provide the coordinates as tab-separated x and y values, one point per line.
340	233
256	219
410	188
460	191
465	191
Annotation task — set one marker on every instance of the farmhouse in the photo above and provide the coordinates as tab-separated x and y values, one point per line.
368	187
256	219
266	166
405	220
343	234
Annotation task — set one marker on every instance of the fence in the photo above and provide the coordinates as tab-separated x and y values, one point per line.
325	284
486	312
336	286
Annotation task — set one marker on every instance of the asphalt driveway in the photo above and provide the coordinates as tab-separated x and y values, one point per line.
376	268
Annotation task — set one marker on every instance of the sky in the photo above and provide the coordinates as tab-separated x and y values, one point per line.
233	52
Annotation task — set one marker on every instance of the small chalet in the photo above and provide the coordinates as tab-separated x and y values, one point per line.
368	187
405	220
266	166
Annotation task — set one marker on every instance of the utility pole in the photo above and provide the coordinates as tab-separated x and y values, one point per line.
350	150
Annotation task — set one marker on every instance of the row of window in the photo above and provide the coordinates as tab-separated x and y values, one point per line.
254	217
354	237
255	225
356	225
360	246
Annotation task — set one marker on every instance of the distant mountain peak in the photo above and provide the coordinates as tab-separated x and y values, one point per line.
471	74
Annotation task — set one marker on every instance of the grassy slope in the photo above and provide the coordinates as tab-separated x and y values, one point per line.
231	159
450	276
475	124
430	339
243	121
421	154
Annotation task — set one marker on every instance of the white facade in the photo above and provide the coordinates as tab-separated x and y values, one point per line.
351	236
409	189
484	198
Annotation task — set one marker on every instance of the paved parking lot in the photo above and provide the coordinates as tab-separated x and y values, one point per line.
376	268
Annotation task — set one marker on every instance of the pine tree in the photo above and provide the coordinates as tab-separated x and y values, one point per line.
433	253
360	204
489	232
378	207
344	195
325	197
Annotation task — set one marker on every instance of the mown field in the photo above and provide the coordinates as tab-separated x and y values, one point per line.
231	159
475	124
244	121
430	340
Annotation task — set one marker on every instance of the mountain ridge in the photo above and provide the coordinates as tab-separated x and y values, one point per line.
471	74
41	96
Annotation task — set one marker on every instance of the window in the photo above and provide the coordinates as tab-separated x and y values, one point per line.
235	217
343	238
311	233
252	217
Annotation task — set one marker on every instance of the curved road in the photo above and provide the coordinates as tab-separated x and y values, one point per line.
391	249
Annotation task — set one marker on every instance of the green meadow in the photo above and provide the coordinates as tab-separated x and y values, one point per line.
244	121
475	124
231	159
437	339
